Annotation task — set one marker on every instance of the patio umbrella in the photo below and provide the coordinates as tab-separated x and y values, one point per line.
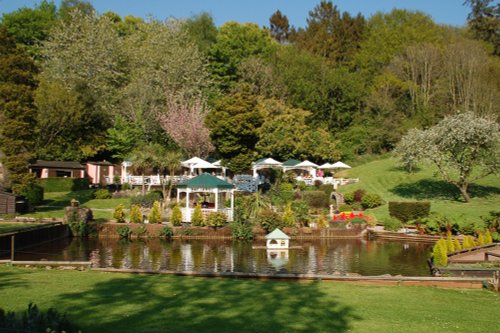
340	165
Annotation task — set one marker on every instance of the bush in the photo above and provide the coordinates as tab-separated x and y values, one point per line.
288	216
317	183
197	217
358	195
167	232
349	198
126	186
135	214
345	208
371	200
409	210
140	231
468	228
468	242
241	230
119	214
154	215
301	211
392	224
216	219
327	188
357	220
33	193
492	221
35	321
124	232
285	193
495	236
147	200
487	237
269	220
436	223
316	199
439	253
64	184
102	194
371	220
176	218
322	222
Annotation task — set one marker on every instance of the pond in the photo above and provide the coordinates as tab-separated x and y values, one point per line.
326	256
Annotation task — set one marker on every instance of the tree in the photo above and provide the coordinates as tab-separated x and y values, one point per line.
279	27
202	30
234	124
184	122
463	148
143	159
17	112
484	22
236	42
69	7
331	34
31	26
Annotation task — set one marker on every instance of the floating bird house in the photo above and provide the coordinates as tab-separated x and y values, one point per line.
277	240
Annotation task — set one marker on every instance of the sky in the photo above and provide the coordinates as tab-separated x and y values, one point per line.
450	12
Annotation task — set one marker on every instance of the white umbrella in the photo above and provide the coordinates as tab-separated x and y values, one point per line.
340	165
306	164
325	166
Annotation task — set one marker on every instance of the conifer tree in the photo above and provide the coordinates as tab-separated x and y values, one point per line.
197	217
154	215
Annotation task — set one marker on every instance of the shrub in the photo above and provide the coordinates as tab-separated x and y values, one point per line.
317	183
316	199
349	198
345	208
356	206
154	215
126	186
468	242
176	218
392	224
216	219
358	195
288	216
468	228
371	200
102	194
495	236
167	232
241	230
135	214
322	221
285	193
492	221
269	220
147	200
436	223
457	245
409	210
35	321
371	220
450	246
327	188
119	214
33	193
480	238
197	217
487	237
301	211
64	184
301	185
140	231
124	232
357	220
439	253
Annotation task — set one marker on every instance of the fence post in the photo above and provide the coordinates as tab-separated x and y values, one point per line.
12	247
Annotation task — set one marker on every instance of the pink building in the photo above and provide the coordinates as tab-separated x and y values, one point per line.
54	169
102	172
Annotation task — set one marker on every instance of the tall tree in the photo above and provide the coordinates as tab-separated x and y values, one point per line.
484	21
68	8
234	124
279	27
331	34
17	112
31	26
202	30
464	148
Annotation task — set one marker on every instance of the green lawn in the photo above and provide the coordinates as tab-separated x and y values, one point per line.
392	183
54	203
110	302
11	227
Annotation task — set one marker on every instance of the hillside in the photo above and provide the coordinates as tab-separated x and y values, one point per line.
392	183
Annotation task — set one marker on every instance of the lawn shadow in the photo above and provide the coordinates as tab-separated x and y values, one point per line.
82	196
144	303
439	189
12	279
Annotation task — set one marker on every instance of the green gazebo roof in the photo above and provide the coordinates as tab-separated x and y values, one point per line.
205	180
291	162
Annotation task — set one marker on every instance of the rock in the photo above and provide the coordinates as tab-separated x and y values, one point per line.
48	267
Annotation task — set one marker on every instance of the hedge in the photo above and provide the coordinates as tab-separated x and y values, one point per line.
316	199
409	210
64	184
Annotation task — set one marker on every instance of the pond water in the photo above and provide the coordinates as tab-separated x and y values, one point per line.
326	256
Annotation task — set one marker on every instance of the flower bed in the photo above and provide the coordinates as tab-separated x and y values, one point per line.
347	216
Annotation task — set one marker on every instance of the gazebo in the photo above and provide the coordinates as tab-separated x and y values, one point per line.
264	163
206	185
196	163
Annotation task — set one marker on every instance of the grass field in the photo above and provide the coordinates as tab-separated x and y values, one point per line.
54	203
110	302
11	227
394	184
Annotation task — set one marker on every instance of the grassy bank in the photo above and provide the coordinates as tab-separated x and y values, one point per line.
107	302
11	227
394	184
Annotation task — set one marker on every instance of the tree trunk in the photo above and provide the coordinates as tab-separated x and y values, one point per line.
463	189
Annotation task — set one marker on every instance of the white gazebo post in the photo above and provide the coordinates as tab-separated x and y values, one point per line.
188	211
216	199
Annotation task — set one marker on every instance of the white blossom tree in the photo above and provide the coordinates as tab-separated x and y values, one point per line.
463	147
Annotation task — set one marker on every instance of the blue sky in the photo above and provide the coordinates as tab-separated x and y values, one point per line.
450	12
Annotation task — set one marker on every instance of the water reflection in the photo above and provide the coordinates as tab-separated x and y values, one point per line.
332	256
